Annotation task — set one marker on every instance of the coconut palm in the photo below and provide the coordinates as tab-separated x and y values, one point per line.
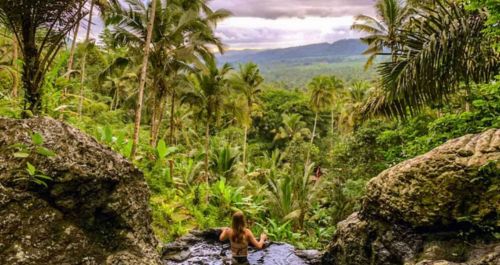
445	48
337	86
248	81
208	91
384	30
321	97
182	34
353	103
293	128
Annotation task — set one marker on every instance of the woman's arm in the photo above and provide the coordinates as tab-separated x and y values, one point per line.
251	238
225	234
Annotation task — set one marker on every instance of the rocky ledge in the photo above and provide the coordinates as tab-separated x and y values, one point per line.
66	199
438	208
205	248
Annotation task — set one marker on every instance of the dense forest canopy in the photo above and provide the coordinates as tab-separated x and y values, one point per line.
212	138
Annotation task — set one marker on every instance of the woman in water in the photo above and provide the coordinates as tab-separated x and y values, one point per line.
240	238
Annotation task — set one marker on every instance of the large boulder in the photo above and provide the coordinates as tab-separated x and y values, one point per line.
438	208
93	209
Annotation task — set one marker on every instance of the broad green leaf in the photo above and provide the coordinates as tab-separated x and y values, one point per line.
31	169
162	149
127	149
37	139
44	151
21	155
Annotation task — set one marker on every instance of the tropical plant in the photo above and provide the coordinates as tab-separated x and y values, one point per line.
183	33
293	128
383	31
224	160
444	48
248	81
321	93
208	90
353	103
40	28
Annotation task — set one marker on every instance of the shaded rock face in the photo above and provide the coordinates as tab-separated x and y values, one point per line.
438	208
205	248
93	211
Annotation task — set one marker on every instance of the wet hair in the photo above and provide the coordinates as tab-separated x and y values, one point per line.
238	226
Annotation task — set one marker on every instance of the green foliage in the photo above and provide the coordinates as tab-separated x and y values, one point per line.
25	153
254	125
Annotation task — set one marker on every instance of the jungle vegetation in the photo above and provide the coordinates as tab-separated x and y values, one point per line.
212	138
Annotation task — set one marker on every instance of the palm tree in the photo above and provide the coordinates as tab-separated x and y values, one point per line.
84	59
248	81
383	31
446	47
40	28
183	33
207	94
354	101
337	86
142	81
321	97
293	128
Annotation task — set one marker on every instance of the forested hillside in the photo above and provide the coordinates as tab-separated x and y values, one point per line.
294	67
290	137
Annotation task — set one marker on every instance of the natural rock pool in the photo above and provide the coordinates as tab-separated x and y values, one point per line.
204	248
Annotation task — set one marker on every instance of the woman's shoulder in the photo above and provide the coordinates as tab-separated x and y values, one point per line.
248	231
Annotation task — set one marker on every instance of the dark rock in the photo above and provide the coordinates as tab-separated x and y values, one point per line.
94	210
204	248
438	208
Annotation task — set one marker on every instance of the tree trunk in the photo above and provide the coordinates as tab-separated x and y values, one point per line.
72	51
157	117
245	137
154	120
32	97
312	141
82	82
84	60
15	57
314	128
333	121
172	114
142	83
207	149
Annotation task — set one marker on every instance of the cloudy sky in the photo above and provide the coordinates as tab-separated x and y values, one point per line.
260	24
264	24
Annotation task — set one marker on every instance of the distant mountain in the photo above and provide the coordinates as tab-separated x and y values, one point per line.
349	49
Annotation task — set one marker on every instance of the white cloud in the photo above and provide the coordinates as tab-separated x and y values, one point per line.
252	32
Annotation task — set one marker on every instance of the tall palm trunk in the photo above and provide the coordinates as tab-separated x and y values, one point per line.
73	48
84	60
314	128
172	114
312	141
157	117
15	57
245	139
333	121
207	149
142	83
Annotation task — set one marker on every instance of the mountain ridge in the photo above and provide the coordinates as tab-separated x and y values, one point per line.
318	52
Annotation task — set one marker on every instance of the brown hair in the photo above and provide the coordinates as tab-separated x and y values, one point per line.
238	226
